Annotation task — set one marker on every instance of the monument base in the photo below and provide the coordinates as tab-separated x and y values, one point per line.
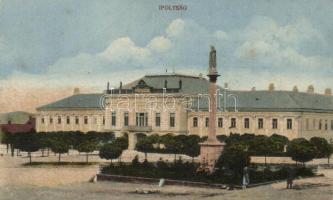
210	151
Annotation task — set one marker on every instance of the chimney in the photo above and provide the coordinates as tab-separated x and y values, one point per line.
310	89
328	91
120	87
295	89
271	87
253	89
180	84
76	91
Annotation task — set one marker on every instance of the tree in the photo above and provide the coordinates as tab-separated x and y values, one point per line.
28	142
262	145
5	139
87	147
301	150
110	151
60	146
173	145
280	141
44	142
122	142
324	149
192	147
234	157
145	145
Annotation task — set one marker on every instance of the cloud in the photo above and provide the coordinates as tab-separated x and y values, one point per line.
221	35
160	44
267	42
124	50
175	28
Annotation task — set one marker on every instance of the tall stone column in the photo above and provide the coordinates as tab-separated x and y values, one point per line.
211	149
132	140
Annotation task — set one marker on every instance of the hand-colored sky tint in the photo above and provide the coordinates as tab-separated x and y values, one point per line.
53	46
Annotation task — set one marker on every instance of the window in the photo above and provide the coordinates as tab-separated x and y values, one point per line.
103	120
207	122
220	122
195	122
260	123
326	125
126	119
141	119
51	120
289	124
158	119
320	125
76	120
42	120
85	120
274	123
113	119
172	120
307	124
59	120
313	123
233	123
246	123
68	121
331	124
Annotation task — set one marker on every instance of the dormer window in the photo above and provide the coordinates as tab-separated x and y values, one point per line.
142	84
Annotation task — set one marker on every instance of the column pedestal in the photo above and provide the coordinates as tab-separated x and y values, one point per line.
210	152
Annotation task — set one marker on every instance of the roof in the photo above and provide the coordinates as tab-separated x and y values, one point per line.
190	84
18	117
79	101
276	101
20	128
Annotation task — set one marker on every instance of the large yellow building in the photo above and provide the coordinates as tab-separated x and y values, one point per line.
178	104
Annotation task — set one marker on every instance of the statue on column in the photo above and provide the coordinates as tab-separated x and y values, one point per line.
212	61
211	149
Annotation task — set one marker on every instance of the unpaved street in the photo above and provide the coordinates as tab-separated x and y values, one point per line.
53	183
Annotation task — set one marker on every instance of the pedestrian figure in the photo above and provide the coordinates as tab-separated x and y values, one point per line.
290	177
246	177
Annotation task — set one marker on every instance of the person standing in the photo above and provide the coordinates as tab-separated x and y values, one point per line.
246	177
290	177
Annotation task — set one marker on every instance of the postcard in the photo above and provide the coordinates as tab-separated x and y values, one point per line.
121	99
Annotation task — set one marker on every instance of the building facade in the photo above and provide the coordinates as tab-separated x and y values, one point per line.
178	104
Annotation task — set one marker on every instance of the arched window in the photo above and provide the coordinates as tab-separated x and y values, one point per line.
207	122
289	124
77	120
195	122
85	119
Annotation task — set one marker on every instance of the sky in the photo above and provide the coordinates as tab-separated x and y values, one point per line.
49	47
